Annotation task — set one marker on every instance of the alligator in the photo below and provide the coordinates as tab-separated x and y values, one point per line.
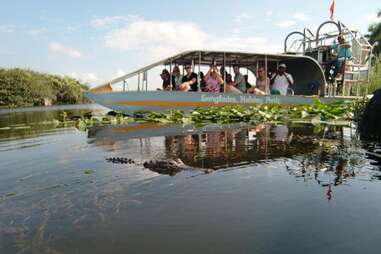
171	167
167	167
120	160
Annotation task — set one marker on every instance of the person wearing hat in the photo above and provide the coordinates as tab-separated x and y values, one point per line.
344	52
165	76
281	80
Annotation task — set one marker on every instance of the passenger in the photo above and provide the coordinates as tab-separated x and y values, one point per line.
344	53
178	78
239	79
262	86
202	82
189	81
213	80
281	80
248	85
166	80
223	72
230	86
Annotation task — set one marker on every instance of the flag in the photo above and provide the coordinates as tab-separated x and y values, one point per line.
332	9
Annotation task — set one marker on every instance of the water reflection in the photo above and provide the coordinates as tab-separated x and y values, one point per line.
330	156
217	147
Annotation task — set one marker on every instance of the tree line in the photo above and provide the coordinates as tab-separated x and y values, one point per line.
20	87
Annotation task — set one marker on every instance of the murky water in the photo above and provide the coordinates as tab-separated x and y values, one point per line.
268	189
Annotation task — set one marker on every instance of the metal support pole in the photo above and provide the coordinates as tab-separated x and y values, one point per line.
139	81
304	41
124	85
224	72
170	76
199	71
266	70
146	78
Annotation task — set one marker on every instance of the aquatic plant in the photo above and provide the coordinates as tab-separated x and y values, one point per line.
338	113
316	113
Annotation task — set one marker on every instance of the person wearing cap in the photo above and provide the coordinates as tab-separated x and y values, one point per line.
239	79
344	52
281	80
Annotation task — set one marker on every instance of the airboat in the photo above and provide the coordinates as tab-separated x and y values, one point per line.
305	54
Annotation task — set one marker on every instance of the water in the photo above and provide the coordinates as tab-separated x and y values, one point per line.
272	189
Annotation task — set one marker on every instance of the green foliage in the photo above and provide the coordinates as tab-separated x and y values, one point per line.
375	76
374	35
20	87
338	113
316	113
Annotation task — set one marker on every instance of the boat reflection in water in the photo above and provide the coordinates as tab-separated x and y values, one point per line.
328	155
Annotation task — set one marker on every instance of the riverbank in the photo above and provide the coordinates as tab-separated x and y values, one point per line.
25	88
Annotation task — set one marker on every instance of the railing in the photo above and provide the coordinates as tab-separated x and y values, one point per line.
355	71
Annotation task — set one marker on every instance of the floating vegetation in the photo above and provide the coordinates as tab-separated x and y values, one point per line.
338	113
89	171
10	194
316	113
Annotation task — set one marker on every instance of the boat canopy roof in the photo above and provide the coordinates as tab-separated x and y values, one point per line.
220	58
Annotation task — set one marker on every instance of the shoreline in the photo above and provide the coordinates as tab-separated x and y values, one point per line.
92	106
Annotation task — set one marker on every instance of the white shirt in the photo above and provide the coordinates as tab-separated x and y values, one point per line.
281	84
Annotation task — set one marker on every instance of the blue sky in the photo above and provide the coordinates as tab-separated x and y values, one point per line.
99	40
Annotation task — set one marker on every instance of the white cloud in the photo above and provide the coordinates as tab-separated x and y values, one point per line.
242	17
110	21
6	29
157	39
269	13
87	78
300	16
35	32
59	48
287	23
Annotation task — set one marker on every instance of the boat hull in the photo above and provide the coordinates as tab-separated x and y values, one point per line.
160	101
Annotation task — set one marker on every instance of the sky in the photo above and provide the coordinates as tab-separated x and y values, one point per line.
95	41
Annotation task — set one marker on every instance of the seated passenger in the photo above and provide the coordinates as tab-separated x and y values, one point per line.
281	80
262	86
239	79
202	82
166	80
189	81
230	86
344	52
178	78
213	80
